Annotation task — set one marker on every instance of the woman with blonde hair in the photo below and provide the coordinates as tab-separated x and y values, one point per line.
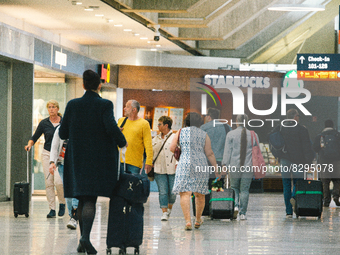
47	127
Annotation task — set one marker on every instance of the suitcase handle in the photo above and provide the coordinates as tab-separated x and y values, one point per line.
28	168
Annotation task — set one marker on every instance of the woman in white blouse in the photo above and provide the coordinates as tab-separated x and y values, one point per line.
164	166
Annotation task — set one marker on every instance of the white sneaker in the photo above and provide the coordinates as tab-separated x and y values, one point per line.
169	212
165	216
235	213
243	217
72	224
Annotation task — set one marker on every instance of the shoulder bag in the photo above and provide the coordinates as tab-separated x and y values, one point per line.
178	151
257	157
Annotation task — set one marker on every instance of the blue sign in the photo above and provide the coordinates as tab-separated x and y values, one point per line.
318	62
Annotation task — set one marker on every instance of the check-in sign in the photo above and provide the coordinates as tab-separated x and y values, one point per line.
318	66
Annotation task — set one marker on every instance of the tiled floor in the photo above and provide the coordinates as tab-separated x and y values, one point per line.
267	231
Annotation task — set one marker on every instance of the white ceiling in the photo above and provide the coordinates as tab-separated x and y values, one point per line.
74	23
243	29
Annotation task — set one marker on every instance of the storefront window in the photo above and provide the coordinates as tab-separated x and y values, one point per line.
43	92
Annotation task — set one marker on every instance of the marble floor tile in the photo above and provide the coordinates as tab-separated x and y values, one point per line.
266	231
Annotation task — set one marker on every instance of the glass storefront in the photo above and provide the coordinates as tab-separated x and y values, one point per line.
43	92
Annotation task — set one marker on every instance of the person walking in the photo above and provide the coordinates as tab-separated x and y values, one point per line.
138	135
298	151
191	172
327	145
164	166
47	127
57	155
91	157
238	153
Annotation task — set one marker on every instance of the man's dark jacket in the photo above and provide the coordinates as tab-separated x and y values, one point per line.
297	143
91	157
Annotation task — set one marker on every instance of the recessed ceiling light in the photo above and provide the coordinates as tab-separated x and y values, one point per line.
153	49
136	34
127	30
143	38
110	20
296	8
88	9
149	41
118	25
99	15
158	45
76	3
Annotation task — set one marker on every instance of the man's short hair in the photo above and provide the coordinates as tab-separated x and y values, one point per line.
291	113
329	123
193	119
135	104
166	120
91	80
213	113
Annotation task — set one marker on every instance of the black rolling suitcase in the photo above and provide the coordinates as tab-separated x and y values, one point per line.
308	197
222	203
21	196
125	226
206	210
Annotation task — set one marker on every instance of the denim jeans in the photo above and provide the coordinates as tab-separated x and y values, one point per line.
240	183
287	178
70	202
165	183
129	168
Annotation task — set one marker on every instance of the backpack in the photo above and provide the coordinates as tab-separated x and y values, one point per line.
331	145
277	143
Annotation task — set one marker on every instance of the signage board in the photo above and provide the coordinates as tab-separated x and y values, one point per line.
318	66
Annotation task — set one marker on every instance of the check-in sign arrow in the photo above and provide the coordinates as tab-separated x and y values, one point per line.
302	58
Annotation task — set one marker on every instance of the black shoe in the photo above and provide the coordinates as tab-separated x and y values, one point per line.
326	205
80	248
87	246
336	200
61	210
51	214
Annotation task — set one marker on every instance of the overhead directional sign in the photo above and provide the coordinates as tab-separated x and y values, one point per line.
318	66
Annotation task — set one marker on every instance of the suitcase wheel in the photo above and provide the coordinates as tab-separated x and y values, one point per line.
26	215
122	251
16	215
136	250
108	251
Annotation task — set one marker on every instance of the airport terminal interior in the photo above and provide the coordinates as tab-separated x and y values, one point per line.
156	52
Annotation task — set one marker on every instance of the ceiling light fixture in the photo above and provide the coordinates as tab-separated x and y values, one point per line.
143	38
109	20
76	3
127	30
136	34
158	45
118	25
153	49
99	15
296	8
156	90
88	9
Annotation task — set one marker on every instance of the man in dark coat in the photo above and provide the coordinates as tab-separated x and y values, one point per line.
91	157
329	158
299	151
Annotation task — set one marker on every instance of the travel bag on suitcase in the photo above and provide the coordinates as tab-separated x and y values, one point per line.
125	225
222	203
308	197
21	196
